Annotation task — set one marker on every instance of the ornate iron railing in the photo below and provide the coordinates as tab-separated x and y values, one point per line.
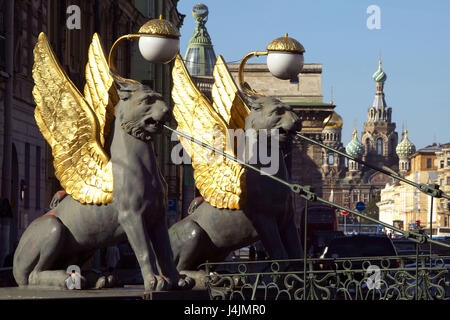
374	278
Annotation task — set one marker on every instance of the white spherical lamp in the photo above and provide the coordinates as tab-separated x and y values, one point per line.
159	41
285	57
158	49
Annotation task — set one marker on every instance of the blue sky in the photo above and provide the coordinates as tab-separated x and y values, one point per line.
414	40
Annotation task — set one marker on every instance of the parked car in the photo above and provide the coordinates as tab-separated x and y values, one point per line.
359	246
322	226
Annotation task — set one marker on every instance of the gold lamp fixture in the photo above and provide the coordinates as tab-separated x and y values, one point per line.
284	59
159	42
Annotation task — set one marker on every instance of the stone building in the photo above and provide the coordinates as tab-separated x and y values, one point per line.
404	205
27	175
443	164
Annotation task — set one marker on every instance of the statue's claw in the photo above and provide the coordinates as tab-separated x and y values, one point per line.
160	283
185	283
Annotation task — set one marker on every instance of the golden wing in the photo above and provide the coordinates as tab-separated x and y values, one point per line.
220	181
227	100
100	91
71	128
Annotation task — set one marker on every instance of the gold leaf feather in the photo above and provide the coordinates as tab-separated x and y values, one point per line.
72	126
220	181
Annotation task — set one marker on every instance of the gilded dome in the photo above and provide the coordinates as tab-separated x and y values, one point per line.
333	121
355	148
405	148
286	44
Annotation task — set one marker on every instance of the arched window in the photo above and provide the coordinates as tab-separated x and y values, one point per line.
331	158
380	146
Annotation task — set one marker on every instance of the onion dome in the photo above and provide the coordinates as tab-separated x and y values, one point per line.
355	148
406	148
333	121
379	76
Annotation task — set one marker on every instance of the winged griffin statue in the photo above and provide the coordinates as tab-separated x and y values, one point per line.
104	159
240	206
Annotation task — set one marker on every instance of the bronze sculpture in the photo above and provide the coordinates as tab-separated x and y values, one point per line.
241	206
105	161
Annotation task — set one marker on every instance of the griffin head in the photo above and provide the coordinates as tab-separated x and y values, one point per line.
141	111
270	113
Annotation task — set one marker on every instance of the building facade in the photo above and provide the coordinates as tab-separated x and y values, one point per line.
409	208
443	169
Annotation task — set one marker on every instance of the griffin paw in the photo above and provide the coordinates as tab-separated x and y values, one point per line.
185	283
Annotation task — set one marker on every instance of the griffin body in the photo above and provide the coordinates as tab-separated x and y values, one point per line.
95	214
262	208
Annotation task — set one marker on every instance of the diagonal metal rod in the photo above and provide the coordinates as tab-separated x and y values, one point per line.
305	193
429	190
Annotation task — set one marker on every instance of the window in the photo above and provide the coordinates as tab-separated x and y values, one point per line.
448	162
441	182
331	158
380	146
210	61
441	165
428	163
355	197
193	61
448	181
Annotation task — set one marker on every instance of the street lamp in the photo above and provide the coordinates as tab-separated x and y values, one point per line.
284	59
159	42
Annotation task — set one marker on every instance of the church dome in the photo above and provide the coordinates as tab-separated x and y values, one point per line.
333	121
405	148
355	148
379	76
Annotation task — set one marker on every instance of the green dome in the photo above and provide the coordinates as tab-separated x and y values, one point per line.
355	148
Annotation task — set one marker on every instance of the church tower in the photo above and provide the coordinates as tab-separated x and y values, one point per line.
200	57
379	137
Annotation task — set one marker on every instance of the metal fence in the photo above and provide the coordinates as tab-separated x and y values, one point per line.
374	278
